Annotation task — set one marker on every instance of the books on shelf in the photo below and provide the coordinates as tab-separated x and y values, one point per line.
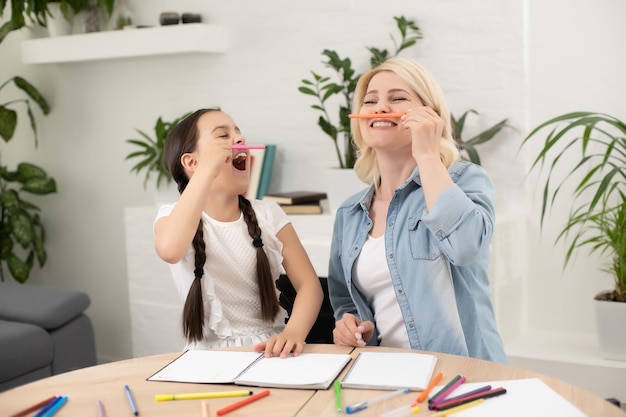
304	208
296	197
261	165
305	371
256	167
390	371
266	171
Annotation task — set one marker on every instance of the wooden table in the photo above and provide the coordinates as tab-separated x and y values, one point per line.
85	387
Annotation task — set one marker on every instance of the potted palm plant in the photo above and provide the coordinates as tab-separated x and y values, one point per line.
591	149
333	100
149	152
22	233
323	88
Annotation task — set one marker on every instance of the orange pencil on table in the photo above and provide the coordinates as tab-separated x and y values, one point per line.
204	409
430	387
241	403
375	115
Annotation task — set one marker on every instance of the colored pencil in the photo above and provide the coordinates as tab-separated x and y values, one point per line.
34	407
445	405
248	147
442	390
202	395
376	115
241	403
430	387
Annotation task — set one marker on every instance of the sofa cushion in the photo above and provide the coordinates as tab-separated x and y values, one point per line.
43	306
24	348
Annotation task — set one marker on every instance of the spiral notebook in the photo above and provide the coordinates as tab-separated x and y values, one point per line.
390	371
305	371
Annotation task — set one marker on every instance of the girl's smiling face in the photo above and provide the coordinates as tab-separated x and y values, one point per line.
219	126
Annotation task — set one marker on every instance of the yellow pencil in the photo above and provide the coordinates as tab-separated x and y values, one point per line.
459	408
201	395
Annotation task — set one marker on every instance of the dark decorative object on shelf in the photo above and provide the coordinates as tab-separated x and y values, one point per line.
169	18
192	18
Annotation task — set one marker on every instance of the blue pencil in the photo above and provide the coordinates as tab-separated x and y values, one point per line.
131	400
56	406
45	409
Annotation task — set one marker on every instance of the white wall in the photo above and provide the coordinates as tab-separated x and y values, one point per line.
521	60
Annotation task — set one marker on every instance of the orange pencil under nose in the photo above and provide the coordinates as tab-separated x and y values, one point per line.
376	115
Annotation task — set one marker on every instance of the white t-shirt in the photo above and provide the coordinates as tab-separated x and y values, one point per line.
230	289
372	278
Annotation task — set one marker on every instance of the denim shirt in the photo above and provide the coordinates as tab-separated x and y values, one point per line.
437	260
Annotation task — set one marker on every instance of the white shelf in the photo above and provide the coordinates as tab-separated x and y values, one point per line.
160	40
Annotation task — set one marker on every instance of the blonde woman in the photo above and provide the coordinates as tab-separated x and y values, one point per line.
409	254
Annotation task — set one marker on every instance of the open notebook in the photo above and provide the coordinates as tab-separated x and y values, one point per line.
306	371
390	371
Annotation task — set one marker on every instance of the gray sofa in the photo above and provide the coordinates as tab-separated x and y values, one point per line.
43	332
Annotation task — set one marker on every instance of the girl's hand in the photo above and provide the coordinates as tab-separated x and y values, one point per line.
282	345
351	331
214	154
426	131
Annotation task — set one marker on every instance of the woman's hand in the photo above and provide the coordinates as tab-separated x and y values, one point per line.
282	345
426	131
351	331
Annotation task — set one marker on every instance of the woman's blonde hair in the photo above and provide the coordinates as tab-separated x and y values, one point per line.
431	94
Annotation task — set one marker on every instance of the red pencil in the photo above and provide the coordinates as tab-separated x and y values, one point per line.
241	403
33	407
375	115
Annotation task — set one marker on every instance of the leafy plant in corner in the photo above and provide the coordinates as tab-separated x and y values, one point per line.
150	153
323	88
22	233
595	159
469	146
77	6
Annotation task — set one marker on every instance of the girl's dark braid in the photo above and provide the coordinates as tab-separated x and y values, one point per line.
193	311
267	291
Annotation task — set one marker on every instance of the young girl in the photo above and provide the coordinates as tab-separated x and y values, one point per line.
225	252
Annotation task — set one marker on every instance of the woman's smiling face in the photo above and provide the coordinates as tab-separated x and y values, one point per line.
387	93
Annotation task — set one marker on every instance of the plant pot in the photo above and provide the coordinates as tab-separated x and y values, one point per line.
57	24
610	319
92	19
341	184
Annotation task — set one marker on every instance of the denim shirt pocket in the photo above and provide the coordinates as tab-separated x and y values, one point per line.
423	243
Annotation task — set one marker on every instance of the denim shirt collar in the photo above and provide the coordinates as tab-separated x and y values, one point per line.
364	198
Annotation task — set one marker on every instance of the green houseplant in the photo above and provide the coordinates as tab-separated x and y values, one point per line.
22	233
149	156
591	149
468	147
334	120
